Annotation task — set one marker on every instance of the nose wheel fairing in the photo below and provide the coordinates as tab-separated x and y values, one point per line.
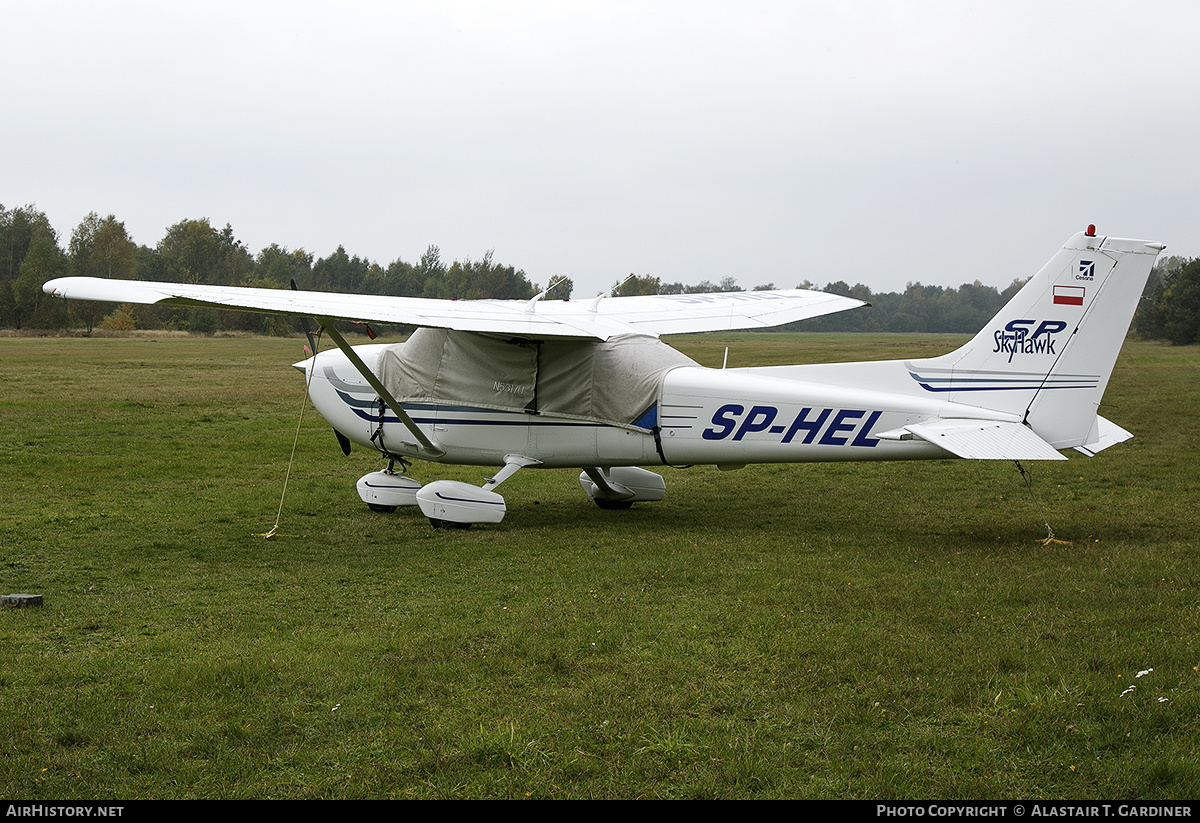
387	490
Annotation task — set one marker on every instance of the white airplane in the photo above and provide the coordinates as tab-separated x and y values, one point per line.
589	384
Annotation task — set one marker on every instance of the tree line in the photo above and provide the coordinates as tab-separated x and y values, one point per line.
194	251
1170	308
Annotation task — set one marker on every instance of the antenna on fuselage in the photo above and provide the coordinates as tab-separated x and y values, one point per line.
611	293
595	304
554	283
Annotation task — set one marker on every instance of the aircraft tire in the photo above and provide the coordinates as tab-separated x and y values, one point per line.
448	525
382	509
613	505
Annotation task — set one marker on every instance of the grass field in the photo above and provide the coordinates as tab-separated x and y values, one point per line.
835	631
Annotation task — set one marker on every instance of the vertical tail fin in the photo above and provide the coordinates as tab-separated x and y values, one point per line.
1048	354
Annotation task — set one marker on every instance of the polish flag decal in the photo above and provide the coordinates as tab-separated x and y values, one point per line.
1068	295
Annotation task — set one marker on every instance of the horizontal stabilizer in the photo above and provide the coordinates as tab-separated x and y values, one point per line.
985	440
1110	434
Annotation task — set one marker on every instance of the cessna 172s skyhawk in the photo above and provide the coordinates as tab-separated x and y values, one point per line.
589	385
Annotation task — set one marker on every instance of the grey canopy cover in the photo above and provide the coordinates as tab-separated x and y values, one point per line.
614	382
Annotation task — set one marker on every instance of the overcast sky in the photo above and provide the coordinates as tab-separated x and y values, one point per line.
872	142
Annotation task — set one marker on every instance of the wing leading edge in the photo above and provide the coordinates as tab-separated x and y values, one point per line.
601	318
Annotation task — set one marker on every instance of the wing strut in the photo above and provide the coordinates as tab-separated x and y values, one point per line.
428	445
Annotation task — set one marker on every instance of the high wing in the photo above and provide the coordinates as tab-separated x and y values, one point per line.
600	318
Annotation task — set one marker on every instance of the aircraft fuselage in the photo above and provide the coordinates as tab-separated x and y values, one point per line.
706	416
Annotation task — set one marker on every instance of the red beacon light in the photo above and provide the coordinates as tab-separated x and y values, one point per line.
1091	232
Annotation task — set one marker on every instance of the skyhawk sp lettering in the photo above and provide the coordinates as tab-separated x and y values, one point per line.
1016	338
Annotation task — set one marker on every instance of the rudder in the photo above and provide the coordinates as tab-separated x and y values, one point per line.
1048	354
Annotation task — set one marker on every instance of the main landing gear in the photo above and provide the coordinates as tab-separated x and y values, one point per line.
450	504
622	486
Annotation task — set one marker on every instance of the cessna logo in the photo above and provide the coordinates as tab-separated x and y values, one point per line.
1087	270
1020	337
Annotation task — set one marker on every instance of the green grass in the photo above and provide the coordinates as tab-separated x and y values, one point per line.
852	631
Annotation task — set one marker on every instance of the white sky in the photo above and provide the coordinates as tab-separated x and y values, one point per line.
873	142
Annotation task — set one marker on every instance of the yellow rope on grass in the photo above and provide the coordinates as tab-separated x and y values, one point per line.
303	403
1050	538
